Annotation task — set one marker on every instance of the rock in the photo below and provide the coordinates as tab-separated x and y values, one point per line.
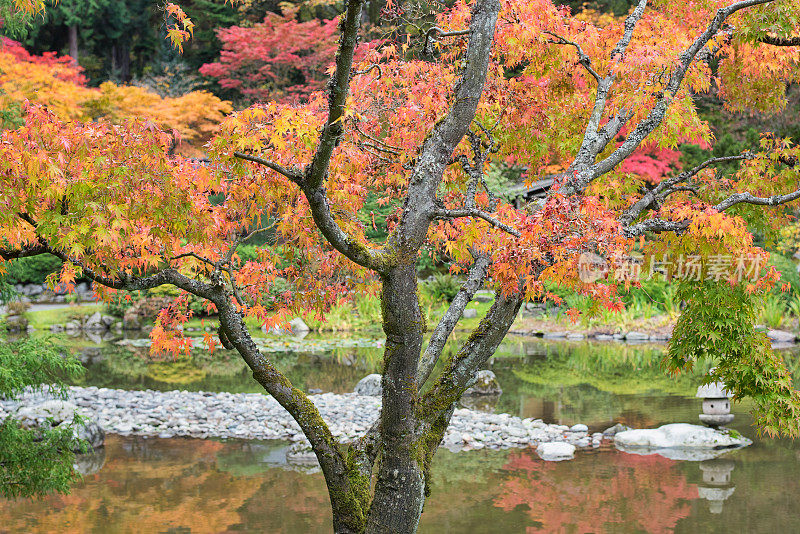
72	326
579	428
555	335
613	430
32	290
604	337
485	384
470	313
575	336
92	433
56	413
555	451
298	326
301	453
370	386
636	336
678	436
37	414
107	320
482	403
57	328
483	295
95	323
16	323
780	336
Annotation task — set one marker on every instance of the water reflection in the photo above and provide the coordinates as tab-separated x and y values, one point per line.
717	486
183	485
180	485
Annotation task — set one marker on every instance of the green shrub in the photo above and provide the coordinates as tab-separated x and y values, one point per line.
443	287
33	269
121	302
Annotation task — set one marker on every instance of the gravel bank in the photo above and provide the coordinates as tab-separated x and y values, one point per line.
255	416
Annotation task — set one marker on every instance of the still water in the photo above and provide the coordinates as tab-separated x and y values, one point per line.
184	485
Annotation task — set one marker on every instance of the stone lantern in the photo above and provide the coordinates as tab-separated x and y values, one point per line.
716	404
716	486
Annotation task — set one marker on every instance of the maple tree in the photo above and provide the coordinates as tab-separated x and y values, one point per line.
58	83
506	84
278	59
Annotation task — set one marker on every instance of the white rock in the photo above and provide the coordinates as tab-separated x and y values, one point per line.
370	385
678	436
299	326
555	451
636	336
579	428
781	336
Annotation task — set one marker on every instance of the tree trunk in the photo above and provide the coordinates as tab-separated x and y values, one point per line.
400	486
73	42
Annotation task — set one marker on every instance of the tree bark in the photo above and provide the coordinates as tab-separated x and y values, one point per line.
400	486
73	42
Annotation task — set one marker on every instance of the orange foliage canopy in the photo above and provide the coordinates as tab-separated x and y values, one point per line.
535	104
59	84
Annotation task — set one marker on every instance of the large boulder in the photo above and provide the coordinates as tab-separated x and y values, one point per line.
16	323
369	386
485	384
298	327
679	441
95	323
59	414
781	336
555	451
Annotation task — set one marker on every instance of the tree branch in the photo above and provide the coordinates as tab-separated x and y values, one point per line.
583	59
475	212
780	41
427	48
31	250
748	198
291	174
475	278
667	187
437	150
656	115
338	89
461	369
657	226
595	139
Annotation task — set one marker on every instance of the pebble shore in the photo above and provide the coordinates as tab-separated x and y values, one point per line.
168	414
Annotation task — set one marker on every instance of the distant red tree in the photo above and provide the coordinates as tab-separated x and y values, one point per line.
653	163
279	59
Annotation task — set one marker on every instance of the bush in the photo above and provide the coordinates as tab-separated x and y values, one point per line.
32	270
443	287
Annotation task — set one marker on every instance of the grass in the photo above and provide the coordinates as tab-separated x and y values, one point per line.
44	319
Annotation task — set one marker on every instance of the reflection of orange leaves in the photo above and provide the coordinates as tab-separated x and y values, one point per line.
573	496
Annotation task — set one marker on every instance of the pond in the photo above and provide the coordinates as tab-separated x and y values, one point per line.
185	485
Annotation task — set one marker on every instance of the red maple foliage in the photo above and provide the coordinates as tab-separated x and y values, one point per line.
279	59
63	67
